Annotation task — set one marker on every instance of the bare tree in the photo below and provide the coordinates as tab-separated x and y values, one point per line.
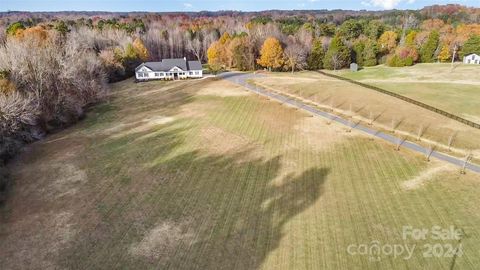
371	118
296	54
451	139
336	61
196	47
398	142
466	160
429	151
421	130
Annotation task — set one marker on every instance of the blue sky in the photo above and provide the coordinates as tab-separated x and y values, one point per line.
197	5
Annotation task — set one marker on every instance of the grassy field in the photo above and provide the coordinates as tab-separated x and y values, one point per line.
390	114
456	91
204	175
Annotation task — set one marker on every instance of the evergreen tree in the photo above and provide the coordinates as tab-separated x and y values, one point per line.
62	28
427	53
338	54
472	45
358	49
351	29
374	29
370	53
13	28
315	60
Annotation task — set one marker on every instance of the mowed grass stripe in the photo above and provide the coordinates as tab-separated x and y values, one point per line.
113	246
124	209
110	188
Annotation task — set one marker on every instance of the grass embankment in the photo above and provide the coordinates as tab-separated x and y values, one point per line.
390	113
203	175
454	90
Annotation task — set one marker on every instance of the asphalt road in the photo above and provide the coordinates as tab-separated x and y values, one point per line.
242	78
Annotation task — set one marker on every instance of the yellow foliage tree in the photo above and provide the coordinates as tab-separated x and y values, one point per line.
410	39
140	49
215	56
444	55
387	42
225	38
271	54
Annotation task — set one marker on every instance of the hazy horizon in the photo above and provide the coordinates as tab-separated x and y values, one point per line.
217	5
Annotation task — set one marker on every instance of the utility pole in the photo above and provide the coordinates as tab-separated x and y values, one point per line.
455	48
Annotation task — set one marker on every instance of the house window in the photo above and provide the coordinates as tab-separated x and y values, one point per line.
142	75
190	73
197	73
157	74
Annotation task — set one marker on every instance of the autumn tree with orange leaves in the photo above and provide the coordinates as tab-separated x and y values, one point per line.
271	54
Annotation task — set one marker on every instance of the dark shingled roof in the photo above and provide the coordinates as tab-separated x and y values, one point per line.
168	64
195	65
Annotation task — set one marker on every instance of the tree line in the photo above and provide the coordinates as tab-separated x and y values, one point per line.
324	45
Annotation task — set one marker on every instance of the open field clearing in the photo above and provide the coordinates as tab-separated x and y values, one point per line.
455	91
204	175
389	114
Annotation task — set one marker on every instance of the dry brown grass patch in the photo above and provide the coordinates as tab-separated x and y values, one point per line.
125	129
320	136
160	241
223	88
218	141
432	172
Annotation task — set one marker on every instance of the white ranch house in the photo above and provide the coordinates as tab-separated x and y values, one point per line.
472	59
169	69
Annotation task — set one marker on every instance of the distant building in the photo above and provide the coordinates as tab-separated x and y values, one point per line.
471	59
169	69
354	67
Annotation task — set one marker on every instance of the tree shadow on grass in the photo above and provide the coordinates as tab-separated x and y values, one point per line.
192	210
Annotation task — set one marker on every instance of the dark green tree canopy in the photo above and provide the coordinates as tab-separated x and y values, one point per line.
14	27
427	52
315	59
351	29
472	45
338	54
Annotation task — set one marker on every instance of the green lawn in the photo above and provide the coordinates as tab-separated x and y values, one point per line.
202	175
456	91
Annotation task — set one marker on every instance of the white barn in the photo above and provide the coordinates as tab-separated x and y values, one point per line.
169	69
471	59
